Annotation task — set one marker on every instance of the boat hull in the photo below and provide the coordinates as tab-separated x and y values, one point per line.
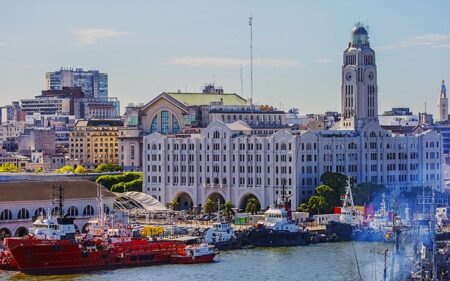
192	260
271	238
343	231
62	257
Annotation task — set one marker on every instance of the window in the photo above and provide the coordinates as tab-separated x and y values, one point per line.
5	215
164	122
40	212
23	214
72	212
175	125
88	211
154	126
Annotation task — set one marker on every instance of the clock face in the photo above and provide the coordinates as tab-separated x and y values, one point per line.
370	76
348	76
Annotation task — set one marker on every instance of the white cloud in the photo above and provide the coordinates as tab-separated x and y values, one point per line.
224	61
91	36
324	60
427	40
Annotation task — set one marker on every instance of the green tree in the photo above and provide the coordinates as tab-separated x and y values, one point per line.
38	170
227	210
65	169
330	197
209	206
134	185
317	203
109	167
253	206
80	170
303	207
8	168
174	205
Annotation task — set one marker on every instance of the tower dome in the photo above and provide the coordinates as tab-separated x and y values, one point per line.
360	36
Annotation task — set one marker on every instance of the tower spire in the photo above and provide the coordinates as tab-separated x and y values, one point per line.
443	90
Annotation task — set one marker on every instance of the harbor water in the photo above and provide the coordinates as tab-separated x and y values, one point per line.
328	261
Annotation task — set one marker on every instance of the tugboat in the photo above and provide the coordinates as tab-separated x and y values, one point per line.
190	254
276	230
222	235
348	219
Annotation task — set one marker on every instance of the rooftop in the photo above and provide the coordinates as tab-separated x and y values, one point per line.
99	123
43	190
197	99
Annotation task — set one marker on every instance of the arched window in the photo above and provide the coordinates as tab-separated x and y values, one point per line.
208	181
5	215
216	181
23	214
154	126
224	181
373	135
216	135
165	122
175	125
55	211
72	212
88	210
40	212
283	146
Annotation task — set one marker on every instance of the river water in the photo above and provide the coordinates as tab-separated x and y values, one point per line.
328	261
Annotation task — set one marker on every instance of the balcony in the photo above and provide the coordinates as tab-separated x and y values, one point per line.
214	185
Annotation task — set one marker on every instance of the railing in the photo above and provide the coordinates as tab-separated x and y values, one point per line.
214	185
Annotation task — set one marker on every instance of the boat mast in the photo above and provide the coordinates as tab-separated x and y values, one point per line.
58	199
101	211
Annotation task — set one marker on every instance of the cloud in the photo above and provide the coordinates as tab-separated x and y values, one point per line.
91	36
324	60
224	61
2	44
427	40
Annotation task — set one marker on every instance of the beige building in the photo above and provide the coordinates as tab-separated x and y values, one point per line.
93	142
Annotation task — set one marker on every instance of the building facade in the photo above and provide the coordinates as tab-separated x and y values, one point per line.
46	105
93	142
234	162
93	83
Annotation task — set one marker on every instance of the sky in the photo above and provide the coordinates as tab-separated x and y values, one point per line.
148	47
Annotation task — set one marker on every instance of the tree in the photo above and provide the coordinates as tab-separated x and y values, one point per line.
253	206
228	211
8	168
64	170
329	196
174	205
80	170
209	206
38	170
109	167
134	185
317	203
132	181
118	187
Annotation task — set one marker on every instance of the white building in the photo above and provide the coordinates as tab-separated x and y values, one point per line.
46	105
233	162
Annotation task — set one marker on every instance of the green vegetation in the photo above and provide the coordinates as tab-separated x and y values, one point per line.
209	206
64	170
173	205
38	170
8	168
328	194
130	181
253	206
228	211
81	170
108	168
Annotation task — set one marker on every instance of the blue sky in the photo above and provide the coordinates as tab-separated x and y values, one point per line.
148	47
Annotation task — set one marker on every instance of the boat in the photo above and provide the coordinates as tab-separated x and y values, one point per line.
349	218
277	231
190	254
54	247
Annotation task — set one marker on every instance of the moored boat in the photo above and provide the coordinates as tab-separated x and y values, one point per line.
190	254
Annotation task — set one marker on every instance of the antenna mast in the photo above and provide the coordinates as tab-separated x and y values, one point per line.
250	22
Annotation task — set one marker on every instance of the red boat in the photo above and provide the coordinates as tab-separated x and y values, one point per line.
7	262
190	254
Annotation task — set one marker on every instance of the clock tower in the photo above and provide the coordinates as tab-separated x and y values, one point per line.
359	93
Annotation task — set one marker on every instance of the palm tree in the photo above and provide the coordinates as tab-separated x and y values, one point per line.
209	206
173	205
253	206
228	211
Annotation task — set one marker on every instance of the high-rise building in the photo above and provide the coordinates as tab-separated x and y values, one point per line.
93	83
443	104
359	94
